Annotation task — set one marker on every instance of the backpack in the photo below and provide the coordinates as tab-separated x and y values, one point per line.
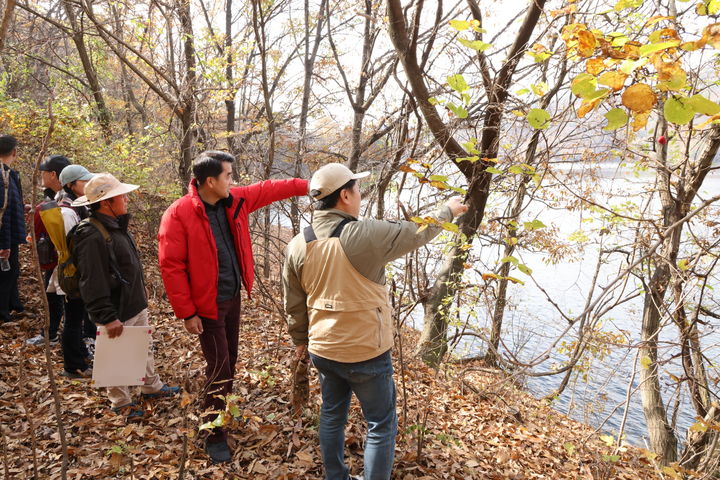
67	272
47	255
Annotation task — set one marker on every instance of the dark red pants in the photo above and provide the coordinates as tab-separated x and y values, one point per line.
219	342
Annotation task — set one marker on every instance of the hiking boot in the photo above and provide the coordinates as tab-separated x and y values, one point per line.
78	374
164	392
131	412
218	451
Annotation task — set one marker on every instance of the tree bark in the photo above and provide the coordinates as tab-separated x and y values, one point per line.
433	341
78	38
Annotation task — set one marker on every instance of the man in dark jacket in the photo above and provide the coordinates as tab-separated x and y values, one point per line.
12	231
111	278
205	256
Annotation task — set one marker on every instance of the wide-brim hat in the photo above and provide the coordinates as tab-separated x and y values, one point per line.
331	177
101	187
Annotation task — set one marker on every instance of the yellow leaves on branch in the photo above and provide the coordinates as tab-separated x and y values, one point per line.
614	80
639	98
595	66
579	40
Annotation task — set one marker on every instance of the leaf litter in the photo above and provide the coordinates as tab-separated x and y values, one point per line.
459	423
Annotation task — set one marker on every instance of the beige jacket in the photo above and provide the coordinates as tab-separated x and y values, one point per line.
346	332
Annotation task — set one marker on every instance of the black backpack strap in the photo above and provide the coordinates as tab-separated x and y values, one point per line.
108	243
338	230
309	234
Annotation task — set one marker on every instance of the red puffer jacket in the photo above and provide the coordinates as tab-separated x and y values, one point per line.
187	251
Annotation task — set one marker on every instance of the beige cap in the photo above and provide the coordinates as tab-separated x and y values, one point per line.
331	177
101	187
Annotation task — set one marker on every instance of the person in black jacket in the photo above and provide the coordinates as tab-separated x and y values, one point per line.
12	230
111	278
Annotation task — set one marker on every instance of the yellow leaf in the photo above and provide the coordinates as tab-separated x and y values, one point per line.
595	66
645	362
588	106
710	120
640	120
639	98
586	43
614	80
711	35
698	427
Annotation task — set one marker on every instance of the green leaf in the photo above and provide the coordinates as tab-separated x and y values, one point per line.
584	85
459	25
451	227
683	264
524	269
516	169
116	449
470	146
538	118
678	110
458	83
523	91
569	448
702	105
534	225
472	159
610	458
515	280
434	101
478	45
510	259
646	50
459	112
628	66
623	4
645	362
493	170
616	118
438	178
609	440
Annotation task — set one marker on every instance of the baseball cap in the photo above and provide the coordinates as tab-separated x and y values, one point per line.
331	177
101	187
73	173
55	163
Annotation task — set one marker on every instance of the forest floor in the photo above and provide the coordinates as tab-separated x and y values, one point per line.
459	423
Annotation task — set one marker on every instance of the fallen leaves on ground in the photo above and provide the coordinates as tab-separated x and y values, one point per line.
460	423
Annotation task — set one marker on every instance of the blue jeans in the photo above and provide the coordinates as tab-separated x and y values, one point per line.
373	385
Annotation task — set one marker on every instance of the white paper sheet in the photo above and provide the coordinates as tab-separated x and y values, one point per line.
121	361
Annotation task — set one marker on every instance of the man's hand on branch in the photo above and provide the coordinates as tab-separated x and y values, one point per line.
456	206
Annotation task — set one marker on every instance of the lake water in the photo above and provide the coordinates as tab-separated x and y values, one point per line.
532	324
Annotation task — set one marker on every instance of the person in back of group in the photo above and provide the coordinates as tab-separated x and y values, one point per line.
73	179
58	218
205	254
338	309
12	231
50	170
111	279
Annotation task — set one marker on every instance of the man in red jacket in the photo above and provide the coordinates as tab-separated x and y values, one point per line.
206	256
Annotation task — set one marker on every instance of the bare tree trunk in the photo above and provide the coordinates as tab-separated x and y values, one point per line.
78	38
309	64
5	23
662	437
188	102
433	341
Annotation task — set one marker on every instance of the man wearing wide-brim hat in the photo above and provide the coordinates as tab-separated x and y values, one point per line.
111	280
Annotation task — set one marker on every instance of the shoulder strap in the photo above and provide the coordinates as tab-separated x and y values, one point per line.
98	224
310	236
108	243
338	230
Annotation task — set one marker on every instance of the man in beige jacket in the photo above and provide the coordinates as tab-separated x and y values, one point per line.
338	310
